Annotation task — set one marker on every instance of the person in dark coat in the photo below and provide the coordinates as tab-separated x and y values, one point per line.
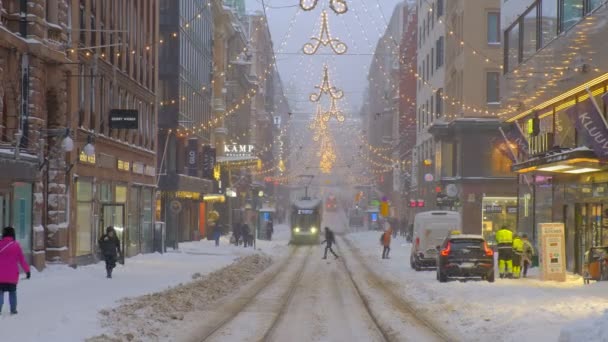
109	244
246	235
330	239
237	232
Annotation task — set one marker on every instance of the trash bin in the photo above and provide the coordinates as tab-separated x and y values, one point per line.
160	237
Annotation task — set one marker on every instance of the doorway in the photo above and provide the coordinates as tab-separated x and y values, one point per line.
113	214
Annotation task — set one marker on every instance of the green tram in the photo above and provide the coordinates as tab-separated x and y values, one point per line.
306	215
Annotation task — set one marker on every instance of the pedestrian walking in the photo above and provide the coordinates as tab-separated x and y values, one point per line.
11	256
518	251
237	232
528	254
269	230
217	233
385	240
330	239
246	235
504	240
109	244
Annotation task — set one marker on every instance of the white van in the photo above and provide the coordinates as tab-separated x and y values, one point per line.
430	229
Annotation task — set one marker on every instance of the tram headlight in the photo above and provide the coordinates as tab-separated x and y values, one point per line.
296	230
313	230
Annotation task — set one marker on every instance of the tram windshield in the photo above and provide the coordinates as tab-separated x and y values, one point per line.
304	218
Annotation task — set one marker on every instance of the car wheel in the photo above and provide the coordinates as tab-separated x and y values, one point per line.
441	277
490	278
412	263
417	267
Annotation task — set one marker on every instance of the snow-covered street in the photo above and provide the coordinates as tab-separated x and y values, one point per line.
508	310
69	304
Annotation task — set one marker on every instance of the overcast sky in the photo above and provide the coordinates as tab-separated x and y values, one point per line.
359	28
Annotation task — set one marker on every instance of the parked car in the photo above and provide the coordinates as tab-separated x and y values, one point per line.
464	256
430	229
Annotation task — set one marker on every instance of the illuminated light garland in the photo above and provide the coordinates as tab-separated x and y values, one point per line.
333	112
324	39
338	6
326	88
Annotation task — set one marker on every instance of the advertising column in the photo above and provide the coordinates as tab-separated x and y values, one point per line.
552	251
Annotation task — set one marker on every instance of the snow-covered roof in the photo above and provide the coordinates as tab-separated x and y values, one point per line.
308	203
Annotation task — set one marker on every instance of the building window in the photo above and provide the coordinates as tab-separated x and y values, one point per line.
593	4
512	47
439	8
439	102
529	33
432	16
439	53
572	12
548	21
492	87
432	60
494	28
428	66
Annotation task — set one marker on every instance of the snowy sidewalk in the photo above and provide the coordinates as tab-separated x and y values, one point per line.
63	304
507	310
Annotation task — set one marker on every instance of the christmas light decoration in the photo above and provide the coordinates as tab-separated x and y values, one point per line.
338	6
333	112
324	39
326	88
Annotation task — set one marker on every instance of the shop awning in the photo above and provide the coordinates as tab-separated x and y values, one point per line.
572	161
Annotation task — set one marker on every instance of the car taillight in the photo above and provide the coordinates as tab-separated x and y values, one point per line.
417	242
489	251
446	250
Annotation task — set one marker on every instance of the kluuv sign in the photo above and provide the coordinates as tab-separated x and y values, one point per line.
124	119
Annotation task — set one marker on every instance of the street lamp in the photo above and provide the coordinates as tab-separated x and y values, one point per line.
89	148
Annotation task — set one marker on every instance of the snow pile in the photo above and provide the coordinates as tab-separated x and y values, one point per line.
507	310
152	317
586	330
65	303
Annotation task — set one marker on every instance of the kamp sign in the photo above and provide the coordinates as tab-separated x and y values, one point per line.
124	119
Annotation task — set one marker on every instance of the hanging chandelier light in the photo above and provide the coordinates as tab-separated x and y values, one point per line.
338	6
326	88
324	39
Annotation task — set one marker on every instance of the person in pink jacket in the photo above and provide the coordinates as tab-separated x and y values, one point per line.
11	256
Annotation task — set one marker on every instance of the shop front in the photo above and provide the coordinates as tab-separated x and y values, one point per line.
113	190
181	207
16	198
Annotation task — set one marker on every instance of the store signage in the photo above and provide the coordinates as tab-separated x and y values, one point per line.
493	209
187	195
124	119
591	125
138	168
123	165
83	158
191	157
235	150
552	251
150	171
208	161
512	209
516	136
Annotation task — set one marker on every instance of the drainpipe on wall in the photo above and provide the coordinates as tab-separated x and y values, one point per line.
25	84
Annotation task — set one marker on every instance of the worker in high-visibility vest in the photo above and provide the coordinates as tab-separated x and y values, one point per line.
504	240
518	252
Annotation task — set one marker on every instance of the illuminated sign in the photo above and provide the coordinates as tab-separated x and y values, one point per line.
86	159
124	165
305	212
187	195
235	150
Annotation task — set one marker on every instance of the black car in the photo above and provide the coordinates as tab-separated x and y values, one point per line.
465	257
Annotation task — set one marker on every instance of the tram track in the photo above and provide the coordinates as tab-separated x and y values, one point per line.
397	301
233	311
